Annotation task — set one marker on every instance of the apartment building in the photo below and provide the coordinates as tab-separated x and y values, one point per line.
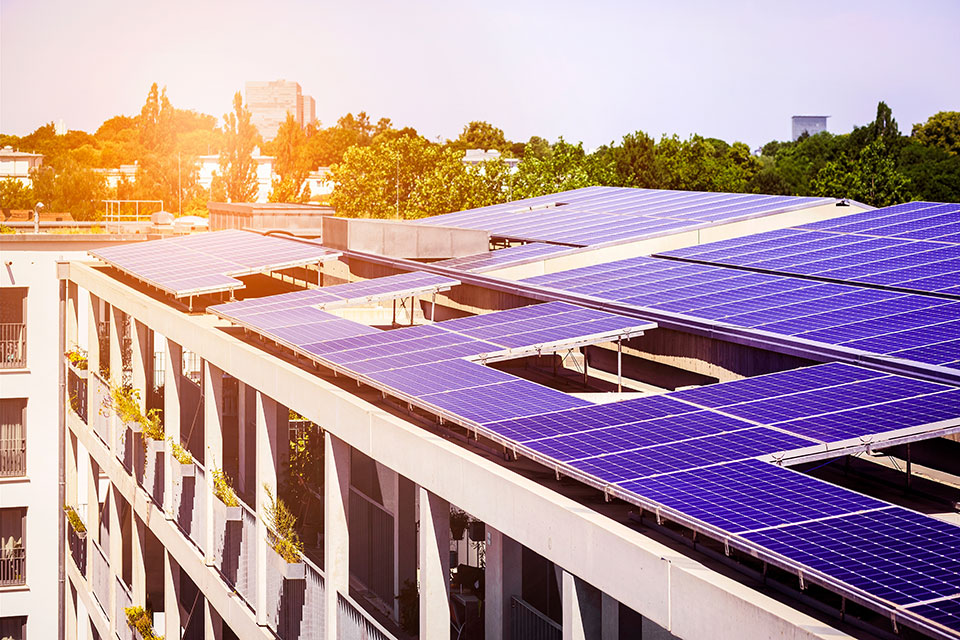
269	103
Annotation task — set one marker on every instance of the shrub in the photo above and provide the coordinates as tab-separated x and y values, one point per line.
286	542
74	519
222	488
77	357
180	454
153	424
140	619
126	403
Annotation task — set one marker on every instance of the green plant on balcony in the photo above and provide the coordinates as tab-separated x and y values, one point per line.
180	454
141	620
77	357
153	424
74	519
285	540
222	488
125	402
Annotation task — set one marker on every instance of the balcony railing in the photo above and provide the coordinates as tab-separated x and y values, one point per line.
124	600
13	345
100	577
353	623
526	623
13	566
77	394
13	453
78	548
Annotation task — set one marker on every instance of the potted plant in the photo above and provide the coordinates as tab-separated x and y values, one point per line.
284	538
458	523
77	361
226	494
152	425
477	530
141	621
184	459
75	522
126	405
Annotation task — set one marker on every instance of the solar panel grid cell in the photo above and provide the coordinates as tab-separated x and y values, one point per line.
944	612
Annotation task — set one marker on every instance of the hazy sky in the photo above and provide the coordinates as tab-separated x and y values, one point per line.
589	71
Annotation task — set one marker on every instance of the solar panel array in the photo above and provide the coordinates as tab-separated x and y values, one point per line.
501	258
597	215
910	326
209	262
914	246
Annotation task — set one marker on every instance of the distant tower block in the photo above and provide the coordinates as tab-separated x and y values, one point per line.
811	125
270	102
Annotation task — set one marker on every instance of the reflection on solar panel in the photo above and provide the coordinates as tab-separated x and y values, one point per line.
209	262
922	328
915	246
502	258
596	215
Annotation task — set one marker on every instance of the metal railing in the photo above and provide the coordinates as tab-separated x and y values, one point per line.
99	412
371	553
353	623
124	600
13	451
526	623
13	345
13	566
190	504
100	577
77	394
78	548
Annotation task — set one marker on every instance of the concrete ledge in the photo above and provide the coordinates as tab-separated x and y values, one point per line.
400	239
85	594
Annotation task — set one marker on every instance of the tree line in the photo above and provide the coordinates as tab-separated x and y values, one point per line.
381	170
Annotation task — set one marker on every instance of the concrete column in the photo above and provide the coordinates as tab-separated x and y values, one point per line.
581	609
213	447
115	553
173	365
138	573
171	597
73	315
404	535
116	348
434	566
283	446
266	453
212	623
140	360
71	470
70	615
336	537
93	353
503	579
610	620
93	510
241	438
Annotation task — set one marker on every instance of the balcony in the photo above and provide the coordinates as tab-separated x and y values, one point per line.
13	451
13	564
13	345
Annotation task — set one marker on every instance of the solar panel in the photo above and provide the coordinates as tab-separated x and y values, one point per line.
860	320
944	612
510	399
750	495
895	554
906	247
597	215
209	262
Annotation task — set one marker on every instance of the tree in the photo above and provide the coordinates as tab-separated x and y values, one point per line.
934	173
453	186
292	163
236	181
634	161
70	188
537	147
480	135
941	130
16	195
567	167
872	178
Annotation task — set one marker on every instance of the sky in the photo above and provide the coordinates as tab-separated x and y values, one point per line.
590	72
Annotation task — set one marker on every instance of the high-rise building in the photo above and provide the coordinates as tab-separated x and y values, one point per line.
309	110
811	125
270	102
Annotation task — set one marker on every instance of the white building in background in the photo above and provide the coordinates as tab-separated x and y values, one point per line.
18	164
810	125
269	103
318	180
473	157
32	305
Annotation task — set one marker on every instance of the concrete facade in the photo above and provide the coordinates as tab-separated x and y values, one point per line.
396	239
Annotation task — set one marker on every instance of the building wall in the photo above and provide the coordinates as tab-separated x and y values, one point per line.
33	264
270	102
15	164
811	125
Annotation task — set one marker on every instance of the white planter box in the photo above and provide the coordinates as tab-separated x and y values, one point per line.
80	373
187	470
156	446
134	426
234	514
293	570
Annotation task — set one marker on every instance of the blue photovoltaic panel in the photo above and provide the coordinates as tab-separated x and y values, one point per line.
750	495
596	215
907	247
511	399
895	554
689	454
502	258
437	377
944	612
837	314
209	262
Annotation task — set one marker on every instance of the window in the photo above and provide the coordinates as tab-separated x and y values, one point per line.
13	438
13	327
13	556
13	628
